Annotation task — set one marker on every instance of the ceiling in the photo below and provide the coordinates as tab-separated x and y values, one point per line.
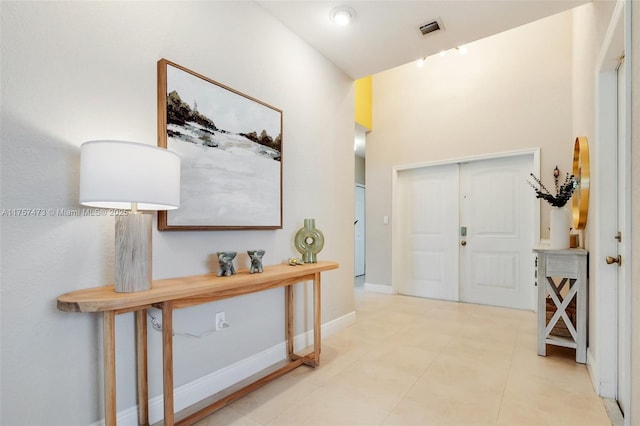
385	34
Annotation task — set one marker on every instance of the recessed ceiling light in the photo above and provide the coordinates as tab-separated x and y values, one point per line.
342	15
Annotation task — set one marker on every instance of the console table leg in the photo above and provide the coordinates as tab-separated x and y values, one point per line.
109	354
141	367
288	307
317	319
167	360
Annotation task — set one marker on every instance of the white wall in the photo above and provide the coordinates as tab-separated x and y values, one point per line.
510	91
590	26
593	54
585	51
77	71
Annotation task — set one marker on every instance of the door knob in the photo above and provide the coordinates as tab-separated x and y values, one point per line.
611	260
463	243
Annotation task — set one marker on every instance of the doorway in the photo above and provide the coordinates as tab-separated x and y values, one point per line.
610	359
359	231
465	231
623	236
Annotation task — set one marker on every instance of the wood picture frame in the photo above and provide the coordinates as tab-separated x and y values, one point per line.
231	150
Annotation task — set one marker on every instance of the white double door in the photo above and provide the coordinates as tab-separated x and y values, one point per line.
466	232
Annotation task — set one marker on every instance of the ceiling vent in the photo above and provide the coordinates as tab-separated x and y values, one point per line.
430	27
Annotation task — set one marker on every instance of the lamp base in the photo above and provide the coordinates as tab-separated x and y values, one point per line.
133	253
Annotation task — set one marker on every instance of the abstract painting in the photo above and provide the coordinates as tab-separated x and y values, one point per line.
231	150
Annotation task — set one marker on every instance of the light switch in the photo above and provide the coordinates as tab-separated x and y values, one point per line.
385	220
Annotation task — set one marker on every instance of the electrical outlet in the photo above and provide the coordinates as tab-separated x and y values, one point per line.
220	321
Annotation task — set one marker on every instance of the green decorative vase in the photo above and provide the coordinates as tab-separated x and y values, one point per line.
309	241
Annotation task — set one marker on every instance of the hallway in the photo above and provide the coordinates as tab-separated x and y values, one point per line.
411	361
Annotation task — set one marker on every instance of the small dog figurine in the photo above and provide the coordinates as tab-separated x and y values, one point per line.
225	259
256	260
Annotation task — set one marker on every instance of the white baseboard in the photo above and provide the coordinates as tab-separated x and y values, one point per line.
614	412
604	389
199	389
379	288
592	367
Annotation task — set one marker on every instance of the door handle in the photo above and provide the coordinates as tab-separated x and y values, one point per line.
463	243
611	260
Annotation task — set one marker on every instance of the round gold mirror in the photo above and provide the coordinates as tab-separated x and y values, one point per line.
580	202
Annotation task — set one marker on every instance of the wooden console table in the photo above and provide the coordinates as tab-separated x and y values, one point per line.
556	269
175	293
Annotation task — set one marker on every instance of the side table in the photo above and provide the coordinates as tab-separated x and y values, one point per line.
562	278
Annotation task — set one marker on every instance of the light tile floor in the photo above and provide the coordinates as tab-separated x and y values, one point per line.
412	361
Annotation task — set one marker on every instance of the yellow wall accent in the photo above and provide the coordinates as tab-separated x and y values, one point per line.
362	102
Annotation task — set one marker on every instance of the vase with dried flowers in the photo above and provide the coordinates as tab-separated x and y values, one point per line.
560	217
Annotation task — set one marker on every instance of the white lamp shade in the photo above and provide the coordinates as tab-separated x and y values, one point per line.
115	174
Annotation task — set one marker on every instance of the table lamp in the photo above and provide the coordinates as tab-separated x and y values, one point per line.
130	177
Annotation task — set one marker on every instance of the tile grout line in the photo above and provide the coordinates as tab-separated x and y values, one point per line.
404	395
513	352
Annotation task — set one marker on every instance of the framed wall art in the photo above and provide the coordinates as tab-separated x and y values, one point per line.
231	150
